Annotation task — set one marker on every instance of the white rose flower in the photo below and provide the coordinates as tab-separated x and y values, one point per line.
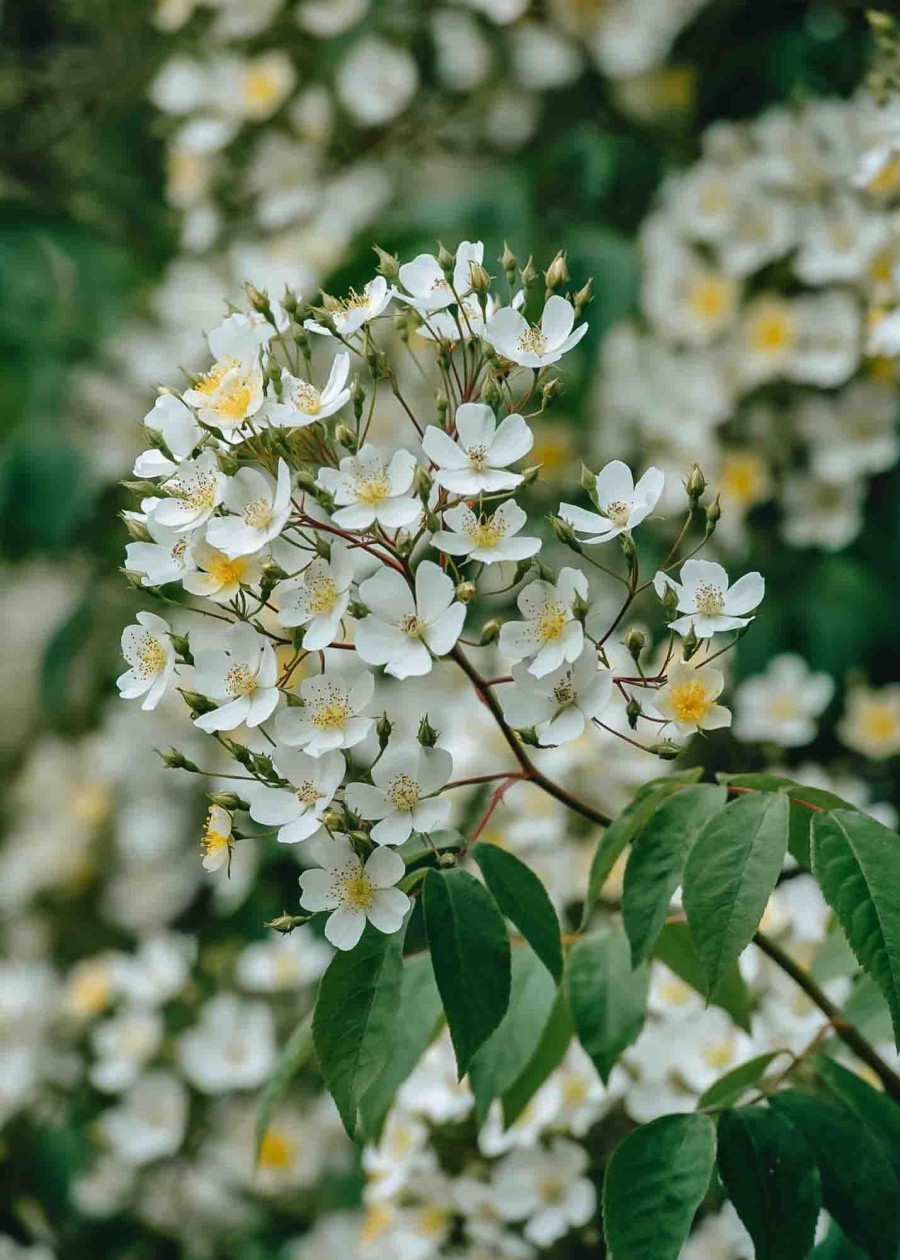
332	714
297	811
180	431
478	460
403	631
535	345
232	1046
423	279
242	335
547	1189
317	598
490	539
622	504
355	893
368	491
560	704
217	842
168	558
710	605
219	577
376	80
405	779
228	394
551	632
359	308
782	704
151	1121
241	675
194	492
258	511
302	404
148	650
689	698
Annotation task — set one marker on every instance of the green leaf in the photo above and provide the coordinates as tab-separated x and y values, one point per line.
296	1053
656	864
867	1009
471	956
726	1091
880	1114
550	1052
622	830
355	1018
729	877
857	862
523	899
676	949
859	1187
836	1246
419	1016
801	797
771	1178
607	999
655	1182
509	1049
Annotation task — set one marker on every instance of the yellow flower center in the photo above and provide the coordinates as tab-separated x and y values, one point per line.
197	492
709	297
308	794
373	490
551	1189
234	401
532	341
306	398
378	1220
404	792
552	622
784	707
260	87
574	1090
564	692
210	381
477	457
772	329
258	513
331	711
322	595
674	992
719	1054
213	841
880	721
275	1151
151	656
709	600
89	991
743	478
241	681
224	570
412	625
358	891
618	512
486	533
355	301
887	182
690	701
432	1220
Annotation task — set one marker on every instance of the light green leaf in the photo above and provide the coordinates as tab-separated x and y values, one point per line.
355	1018
801	798
523	899
728	1089
655	1182
622	830
770	1176
296	1053
859	1186
676	949
550	1052
419	1017
857	862
656	863
471	957
729	877
509	1049
607	999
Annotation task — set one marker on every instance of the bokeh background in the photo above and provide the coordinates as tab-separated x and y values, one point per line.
698	158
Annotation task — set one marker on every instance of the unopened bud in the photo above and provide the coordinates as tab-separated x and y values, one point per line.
629	550
557	274
332	820
667	749
528	735
259	301
530	475
466	592
136	529
690	644
529	274
357	397
441	403
583	298
490	632
345	435
421	481
588	479
564	532
356	608
550	389
507	261
272	573
491	394
446	261
289	301
695	484
388	264
182	647
713	514
634	642
196	703
176	760
383	728
242	755
142	488
479	279
669	599
228	800
377	363
432	522
285	923
580	608
427	735
632	712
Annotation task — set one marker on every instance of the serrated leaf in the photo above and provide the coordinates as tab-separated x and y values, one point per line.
879	1113
857	863
355	1018
550	1052
771	1178
655	1182
523	899
867	1009
470	953
656	863
419	1017
509	1049
729	876
622	830
676	949
608	1000
297	1051
800	797
726	1091
859	1186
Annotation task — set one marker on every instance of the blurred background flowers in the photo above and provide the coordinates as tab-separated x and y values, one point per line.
702	159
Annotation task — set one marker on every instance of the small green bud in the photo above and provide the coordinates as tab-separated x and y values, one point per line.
421	481
670	601
272	573
479	279
507	261
588	479
634	642
695	484
356	608
580	608
632	712
466	592
530	475
242	755
529	274
446	261
528	735
550	389
259	301
285	923
583	298
332	820
383	728
289	301
388	264
491	393
346	437
228	800
690	644
182	647
196	703
136	529
557	274
432	522
176	760
564	532
490	632
667	750
713	515
427	735
357	397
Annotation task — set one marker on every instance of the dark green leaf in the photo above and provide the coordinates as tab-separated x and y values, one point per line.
734	1084
801	797
837	1246
607	999
857	862
655	1182
880	1114
550	1052
295	1054
676	949
355	1018
622	830
770	1176
867	1009
508	1050
523	899
859	1187
470	952
729	877
656	864
419	1017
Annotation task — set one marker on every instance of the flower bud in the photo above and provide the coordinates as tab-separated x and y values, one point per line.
427	735
357	397
583	298
242	755
690	644
346	437
479	279
713	514
285	923
332	820
446	261
388	264
507	261
442	404
529	274
136	529
323	546
301	340
580	608
383	728
142	488
196	703
259	301
632	712
272	574
432	522
421	481
550	389
356	608
565	533
695	484
290	301
466	592
557	274
306	480
490	632
667	749
176	760
491	394
634	642
530	475
377	363
670	601
228	800
182	647
528	735
588	479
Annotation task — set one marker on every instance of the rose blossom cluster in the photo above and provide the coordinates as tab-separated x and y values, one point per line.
326	569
